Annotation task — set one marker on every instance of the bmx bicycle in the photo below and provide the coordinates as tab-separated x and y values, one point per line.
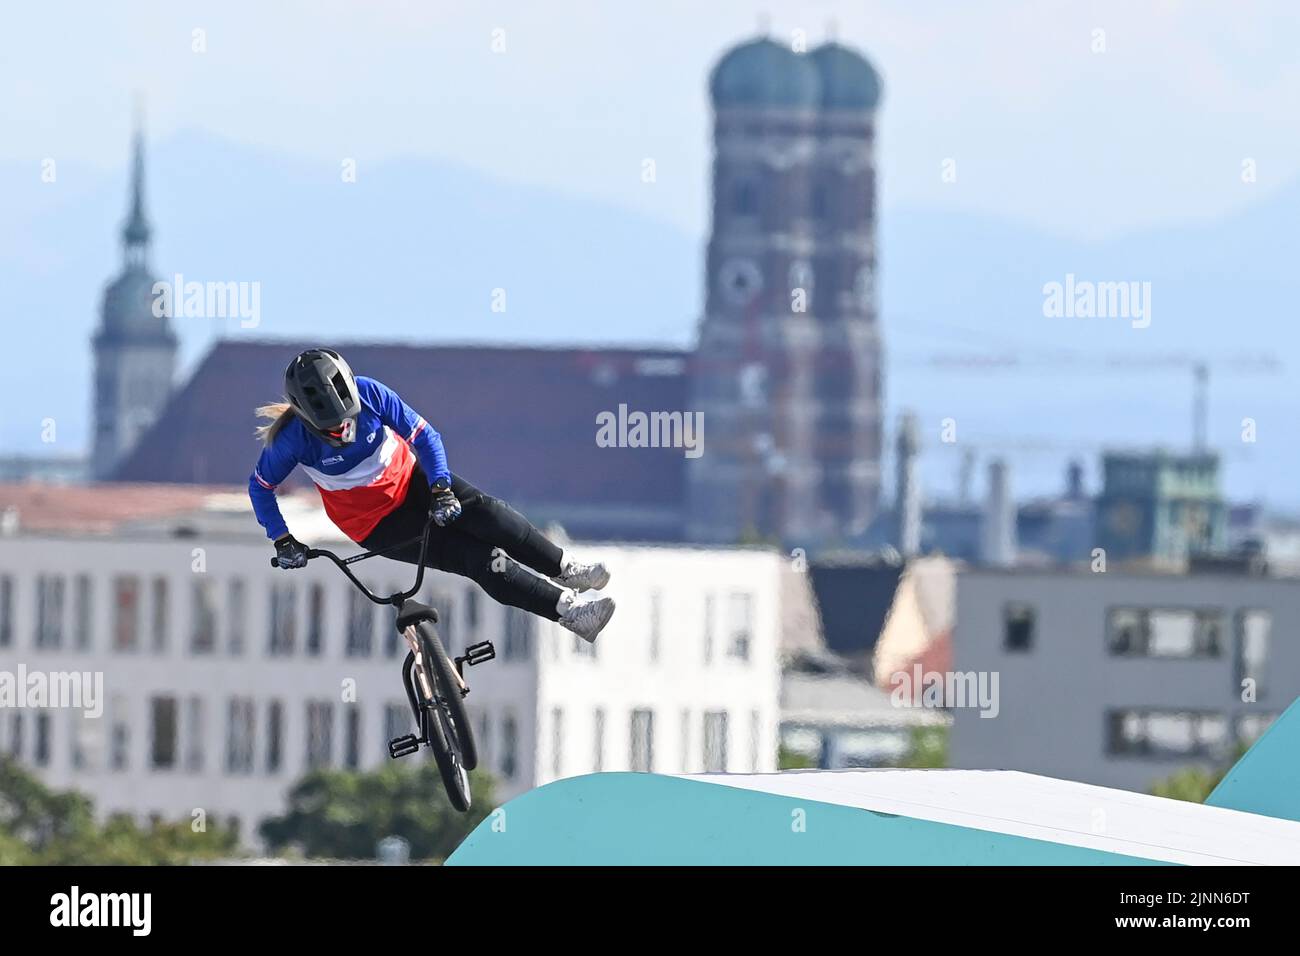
435	682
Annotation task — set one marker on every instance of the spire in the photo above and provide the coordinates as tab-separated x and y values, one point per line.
135	231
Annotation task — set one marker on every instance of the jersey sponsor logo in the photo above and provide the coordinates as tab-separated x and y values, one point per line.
332	461
367	471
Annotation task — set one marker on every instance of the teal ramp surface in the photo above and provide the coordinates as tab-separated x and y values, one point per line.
1267	779
648	819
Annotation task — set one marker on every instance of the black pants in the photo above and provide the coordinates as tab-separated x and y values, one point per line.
487	543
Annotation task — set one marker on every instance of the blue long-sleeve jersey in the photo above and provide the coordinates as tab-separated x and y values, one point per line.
360	482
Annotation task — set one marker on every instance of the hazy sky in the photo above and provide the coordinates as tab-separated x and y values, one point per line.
1043	129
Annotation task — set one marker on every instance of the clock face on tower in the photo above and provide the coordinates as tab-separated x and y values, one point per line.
739	281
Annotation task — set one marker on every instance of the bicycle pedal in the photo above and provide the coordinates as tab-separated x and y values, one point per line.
479	653
403	746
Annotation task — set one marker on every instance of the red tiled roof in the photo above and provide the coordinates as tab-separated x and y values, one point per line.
520	423
97	508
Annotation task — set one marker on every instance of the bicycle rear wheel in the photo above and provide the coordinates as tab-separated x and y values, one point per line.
447	723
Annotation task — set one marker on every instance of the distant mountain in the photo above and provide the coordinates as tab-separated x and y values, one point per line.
414	249
411	250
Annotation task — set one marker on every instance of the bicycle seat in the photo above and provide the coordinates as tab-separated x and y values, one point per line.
413	612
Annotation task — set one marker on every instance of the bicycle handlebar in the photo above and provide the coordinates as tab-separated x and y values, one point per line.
394	599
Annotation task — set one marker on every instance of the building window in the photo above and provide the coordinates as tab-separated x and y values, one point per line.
598	741
6	610
274	736
16	735
471	612
1253	632
1250	727
715	741
1165	632
315	619
83	598
79	735
283	618
643	740
397	721
1018	622
236	617
119	754
709	604
162	723
49	611
509	747
352	738
484	740
203	622
557	742
126	613
160	614
1181	734
741	626
519	631
686	741
194	735
361	625
240	727
320	733
41	757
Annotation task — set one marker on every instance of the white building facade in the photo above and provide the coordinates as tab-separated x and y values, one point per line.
224	680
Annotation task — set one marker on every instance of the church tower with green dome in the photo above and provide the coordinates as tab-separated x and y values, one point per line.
788	366
135	350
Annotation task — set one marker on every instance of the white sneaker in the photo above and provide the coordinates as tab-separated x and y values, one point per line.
587	620
582	577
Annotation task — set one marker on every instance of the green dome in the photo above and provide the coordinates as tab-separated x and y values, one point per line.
847	80
764	73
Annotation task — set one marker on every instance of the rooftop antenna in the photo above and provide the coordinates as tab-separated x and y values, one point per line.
1200	405
765	23
832	30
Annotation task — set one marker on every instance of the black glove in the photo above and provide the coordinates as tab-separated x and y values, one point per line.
290	552
444	507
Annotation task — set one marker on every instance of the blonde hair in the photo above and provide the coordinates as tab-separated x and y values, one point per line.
277	415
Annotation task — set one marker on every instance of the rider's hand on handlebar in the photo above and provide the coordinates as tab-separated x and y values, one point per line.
290	552
444	506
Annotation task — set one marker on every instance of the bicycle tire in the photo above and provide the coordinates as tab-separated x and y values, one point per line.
445	719
450	687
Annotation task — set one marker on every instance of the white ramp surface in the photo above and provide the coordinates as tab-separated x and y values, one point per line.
1044	808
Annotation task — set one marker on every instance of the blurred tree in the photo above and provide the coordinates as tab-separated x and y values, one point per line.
928	750
1194	784
787	759
344	814
43	826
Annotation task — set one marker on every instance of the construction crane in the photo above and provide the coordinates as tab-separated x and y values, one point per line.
1061	361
